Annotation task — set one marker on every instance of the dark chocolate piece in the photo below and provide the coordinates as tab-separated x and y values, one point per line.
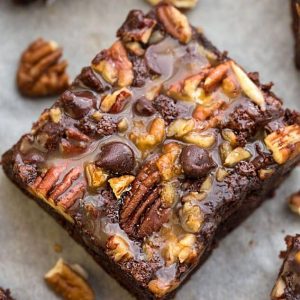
159	148
287	286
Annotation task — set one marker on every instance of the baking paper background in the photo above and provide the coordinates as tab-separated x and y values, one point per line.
256	33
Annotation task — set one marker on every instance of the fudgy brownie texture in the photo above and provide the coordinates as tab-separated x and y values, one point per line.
158	149
5	294
287	286
296	29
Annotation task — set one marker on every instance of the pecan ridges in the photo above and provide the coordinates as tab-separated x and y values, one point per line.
142	213
60	187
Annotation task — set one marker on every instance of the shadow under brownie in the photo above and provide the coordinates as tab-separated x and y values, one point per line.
158	149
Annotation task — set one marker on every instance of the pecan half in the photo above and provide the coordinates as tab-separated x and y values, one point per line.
176	23
68	283
41	72
284	143
142	212
113	64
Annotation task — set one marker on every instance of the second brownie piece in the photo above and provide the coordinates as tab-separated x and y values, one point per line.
159	148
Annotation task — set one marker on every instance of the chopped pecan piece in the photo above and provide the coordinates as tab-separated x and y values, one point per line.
284	143
177	3
137	27
113	64
175	23
120	184
215	76
142	212
41	73
294	203
115	102
118	248
68	283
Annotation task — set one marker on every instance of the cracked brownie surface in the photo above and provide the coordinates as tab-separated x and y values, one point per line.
159	147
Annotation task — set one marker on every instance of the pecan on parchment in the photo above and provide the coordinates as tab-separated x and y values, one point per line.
142	212
41	72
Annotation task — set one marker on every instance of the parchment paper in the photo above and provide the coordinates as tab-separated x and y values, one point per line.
257	34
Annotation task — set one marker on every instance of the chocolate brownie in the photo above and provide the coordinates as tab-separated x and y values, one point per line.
287	286
158	149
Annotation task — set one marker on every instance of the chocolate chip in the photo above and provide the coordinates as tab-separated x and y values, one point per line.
78	104
116	157
195	161
144	107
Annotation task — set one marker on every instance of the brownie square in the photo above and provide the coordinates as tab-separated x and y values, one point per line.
158	149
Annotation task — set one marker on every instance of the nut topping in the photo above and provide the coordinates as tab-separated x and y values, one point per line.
159	287
68	283
191	217
294	203
95	176
142	212
115	102
176	23
235	156
41	73
118	248
248	86
137	27
177	3
119	185
180	127
284	143
215	76
114	65
200	139
154	136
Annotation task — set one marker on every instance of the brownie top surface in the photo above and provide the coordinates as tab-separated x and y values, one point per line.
154	145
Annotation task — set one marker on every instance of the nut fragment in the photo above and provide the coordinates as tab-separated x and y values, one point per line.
221	174
118	248
159	287
200	139
41	73
180	127
265	173
235	156
55	114
154	136
175	22
67	283
191	217
294	203
115	102
278	289
215	76
114	65
284	143
168	194
120	184
95	176
177	3
229	136
248	86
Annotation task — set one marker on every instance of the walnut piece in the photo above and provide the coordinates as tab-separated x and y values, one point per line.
185	4
67	283
191	217
176	23
96	177
120	184
41	72
284	143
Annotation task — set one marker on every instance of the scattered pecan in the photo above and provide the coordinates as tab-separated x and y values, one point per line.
215	76
115	102
175	23
113	64
68	283
294	202
184	4
118	248
136	27
41	73
142	212
284	143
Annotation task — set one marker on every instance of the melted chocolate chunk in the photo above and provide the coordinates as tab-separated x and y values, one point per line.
144	107
195	161
116	157
140	71
78	104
